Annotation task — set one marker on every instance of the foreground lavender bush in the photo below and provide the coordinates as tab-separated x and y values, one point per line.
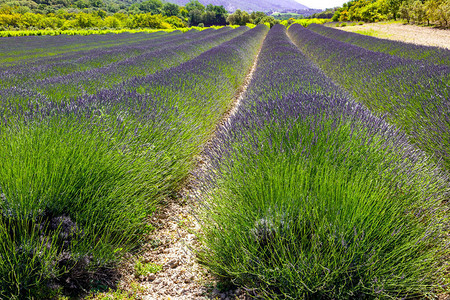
414	95
79	178
310	196
433	55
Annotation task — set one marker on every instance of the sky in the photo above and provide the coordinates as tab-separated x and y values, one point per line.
322	3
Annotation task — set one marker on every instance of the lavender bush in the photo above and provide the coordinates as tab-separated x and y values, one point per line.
168	54
428	54
82	60
94	166
311	196
414	95
24	49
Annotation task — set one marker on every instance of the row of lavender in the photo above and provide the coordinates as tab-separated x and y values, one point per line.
311	196
19	50
78	178
433	55
414	95
164	55
79	60
22	101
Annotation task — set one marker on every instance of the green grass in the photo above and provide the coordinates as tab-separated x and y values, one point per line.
144	269
372	32
306	22
134	292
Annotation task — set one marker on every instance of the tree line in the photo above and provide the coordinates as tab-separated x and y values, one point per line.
148	14
63	20
430	12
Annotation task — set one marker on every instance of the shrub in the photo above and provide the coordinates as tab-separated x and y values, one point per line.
310	196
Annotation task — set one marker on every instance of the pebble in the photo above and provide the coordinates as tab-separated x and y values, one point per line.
173	263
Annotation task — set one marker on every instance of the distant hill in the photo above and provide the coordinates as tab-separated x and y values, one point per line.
250	5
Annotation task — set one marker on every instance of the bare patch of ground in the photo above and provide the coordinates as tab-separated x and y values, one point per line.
404	32
169	248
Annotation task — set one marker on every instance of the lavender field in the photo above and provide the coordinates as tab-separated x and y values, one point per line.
325	161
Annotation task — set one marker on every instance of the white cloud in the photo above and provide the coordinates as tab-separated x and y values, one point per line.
322	3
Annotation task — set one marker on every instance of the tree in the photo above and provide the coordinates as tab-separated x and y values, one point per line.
82	4
336	16
84	20
195	17
170	9
113	7
394	7
443	12
112	22
268	20
373	12
431	8
209	18
50	22
184	13
151	6
6	9
22	9
220	14
148	20
30	20
175	22
257	16
418	12
95	3
100	13
195	5
405	11
239	18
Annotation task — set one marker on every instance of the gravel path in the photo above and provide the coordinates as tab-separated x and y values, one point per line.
406	33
